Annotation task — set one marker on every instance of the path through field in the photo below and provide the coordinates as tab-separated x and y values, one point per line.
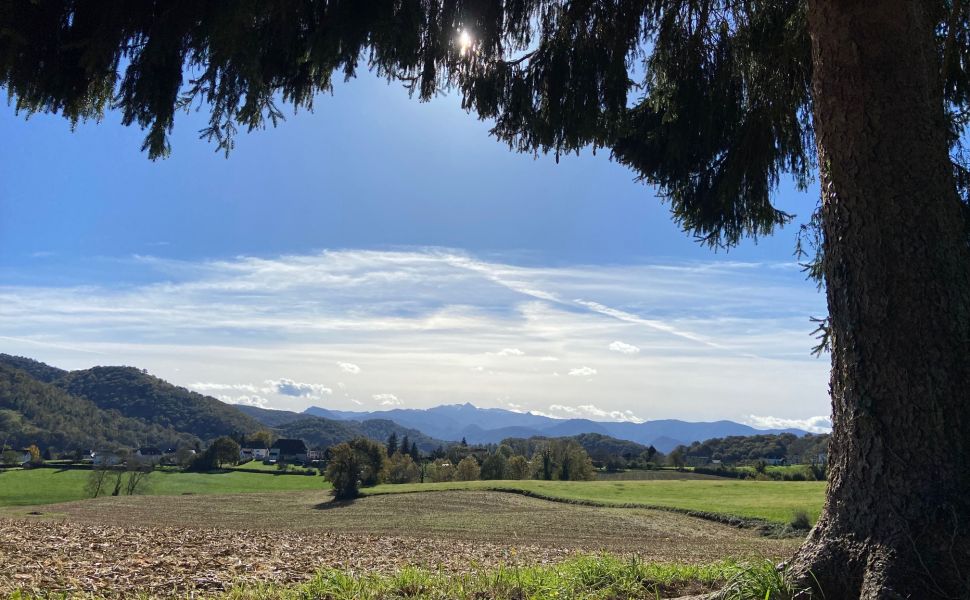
207	542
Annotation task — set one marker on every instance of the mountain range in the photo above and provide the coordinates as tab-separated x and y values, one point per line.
82	409
125	406
492	425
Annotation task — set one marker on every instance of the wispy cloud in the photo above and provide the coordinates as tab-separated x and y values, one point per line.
715	340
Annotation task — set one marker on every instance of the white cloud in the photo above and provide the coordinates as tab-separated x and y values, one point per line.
288	387
548	358
624	348
819	424
590	411
388	400
347	367
508	352
254	400
582	372
204	387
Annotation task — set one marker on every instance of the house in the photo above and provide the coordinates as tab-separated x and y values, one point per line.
148	455
105	458
774	461
288	451
253	451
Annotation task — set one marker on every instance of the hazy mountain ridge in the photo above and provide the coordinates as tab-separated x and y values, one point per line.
159	411
322	431
492	425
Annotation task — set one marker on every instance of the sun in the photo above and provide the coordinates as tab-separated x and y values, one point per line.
465	41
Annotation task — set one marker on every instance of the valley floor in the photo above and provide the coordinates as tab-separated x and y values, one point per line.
173	544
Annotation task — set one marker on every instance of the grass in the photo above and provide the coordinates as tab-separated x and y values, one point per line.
20	487
654	475
600	577
582	578
774	501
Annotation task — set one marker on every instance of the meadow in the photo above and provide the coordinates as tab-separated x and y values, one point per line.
19	487
772	501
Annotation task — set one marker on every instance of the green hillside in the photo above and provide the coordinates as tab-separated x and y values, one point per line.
135	393
35	412
36	369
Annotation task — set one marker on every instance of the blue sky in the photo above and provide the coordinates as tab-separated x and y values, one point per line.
399	238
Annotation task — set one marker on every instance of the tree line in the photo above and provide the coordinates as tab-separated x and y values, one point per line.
364	463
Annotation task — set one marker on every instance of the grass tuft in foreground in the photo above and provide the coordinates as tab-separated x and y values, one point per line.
583	578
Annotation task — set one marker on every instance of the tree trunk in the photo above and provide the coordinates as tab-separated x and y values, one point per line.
896	521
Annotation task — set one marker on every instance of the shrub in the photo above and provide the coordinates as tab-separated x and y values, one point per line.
800	521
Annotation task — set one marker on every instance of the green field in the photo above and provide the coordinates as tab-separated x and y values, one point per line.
774	501
47	486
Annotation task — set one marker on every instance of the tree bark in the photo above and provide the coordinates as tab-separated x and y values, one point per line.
896	521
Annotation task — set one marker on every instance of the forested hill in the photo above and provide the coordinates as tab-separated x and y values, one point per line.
599	447
36	369
736	449
322	432
36	412
135	393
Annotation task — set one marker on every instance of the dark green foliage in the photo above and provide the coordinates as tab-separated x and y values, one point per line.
34	412
494	467
711	101
225	450
343	471
36	369
708	100
750	449
354	464
562	459
137	394
392	443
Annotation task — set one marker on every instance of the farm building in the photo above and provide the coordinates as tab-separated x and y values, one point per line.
253	451
105	458
149	455
288	451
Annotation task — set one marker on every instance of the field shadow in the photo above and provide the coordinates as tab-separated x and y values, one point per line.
332	504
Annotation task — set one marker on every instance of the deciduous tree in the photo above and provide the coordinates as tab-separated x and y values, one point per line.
467	469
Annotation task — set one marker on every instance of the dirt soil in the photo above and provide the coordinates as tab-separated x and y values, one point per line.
174	544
